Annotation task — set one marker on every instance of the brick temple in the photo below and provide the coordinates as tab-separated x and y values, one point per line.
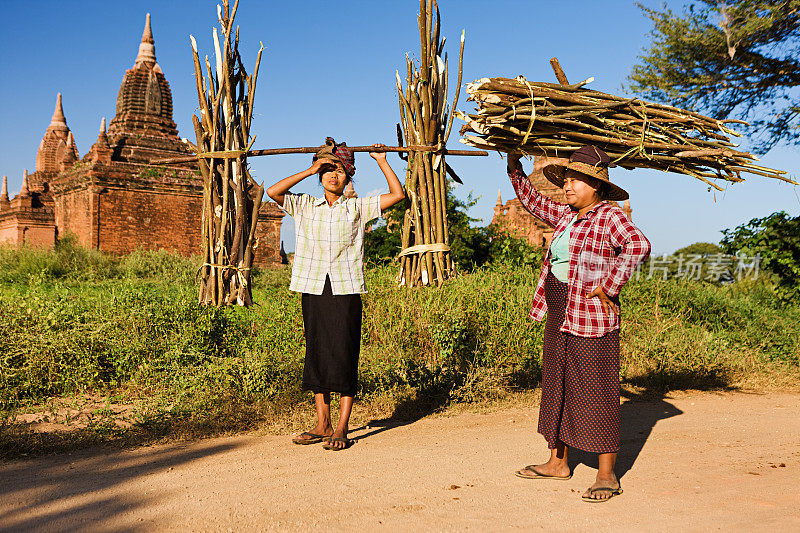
512	217
112	199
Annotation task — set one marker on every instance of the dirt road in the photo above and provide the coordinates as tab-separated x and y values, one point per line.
700	462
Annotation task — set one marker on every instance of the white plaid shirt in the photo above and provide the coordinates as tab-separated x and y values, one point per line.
329	240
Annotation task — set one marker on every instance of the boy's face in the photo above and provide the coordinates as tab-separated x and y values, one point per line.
333	178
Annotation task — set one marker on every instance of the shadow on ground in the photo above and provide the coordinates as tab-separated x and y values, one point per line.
18	441
56	494
424	402
646	403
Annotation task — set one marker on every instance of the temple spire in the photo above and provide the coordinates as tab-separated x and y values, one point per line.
102	138
499	198
4	191
59	121
626	208
24	192
100	151
70	154
147	48
147	34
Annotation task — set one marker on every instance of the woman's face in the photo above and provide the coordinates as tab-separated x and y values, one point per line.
334	178
579	190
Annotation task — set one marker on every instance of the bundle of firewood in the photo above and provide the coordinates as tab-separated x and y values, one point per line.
425	120
553	120
231	198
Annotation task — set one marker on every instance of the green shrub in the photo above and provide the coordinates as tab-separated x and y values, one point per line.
69	261
140	330
776	238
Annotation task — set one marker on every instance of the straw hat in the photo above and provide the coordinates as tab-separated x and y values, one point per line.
590	161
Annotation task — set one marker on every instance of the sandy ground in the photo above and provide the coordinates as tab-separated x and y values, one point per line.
699	462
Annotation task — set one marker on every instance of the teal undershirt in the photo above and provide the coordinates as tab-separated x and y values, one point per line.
559	253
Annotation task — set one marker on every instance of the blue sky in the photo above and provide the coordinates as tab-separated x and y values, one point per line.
329	69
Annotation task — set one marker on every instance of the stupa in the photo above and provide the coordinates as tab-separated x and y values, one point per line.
112	199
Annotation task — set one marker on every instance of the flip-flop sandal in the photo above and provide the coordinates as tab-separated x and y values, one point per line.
313	438
330	444
612	492
538	475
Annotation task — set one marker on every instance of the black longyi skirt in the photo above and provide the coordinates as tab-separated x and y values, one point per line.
333	341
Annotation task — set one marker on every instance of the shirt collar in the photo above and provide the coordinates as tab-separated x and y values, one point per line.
322	201
597	206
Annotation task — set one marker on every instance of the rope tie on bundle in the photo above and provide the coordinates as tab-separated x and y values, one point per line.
533	112
231	267
424	248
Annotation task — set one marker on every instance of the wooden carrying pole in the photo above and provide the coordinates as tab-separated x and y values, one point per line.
314	150
425	258
231	198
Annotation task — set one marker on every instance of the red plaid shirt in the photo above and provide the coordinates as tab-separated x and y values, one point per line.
604	248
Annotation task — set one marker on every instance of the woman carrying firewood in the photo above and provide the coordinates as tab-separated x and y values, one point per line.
594	250
328	270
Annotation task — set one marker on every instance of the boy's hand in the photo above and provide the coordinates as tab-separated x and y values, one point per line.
378	156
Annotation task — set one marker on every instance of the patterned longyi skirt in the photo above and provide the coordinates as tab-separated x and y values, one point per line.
580	382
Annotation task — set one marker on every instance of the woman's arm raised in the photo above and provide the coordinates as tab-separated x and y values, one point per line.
547	210
395	193
278	191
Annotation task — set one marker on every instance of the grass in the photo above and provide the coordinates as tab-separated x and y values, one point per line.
83	332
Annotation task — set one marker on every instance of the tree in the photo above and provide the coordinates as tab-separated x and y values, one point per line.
382	241
512	250
699	248
776	239
735	59
469	245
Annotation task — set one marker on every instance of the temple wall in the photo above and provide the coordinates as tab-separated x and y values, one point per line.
73	214
14	230
9	231
40	236
131	219
268	233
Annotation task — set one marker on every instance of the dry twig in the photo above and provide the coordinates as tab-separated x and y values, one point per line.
231	197
537	118
426	120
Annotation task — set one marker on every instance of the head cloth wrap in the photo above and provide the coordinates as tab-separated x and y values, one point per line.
338	152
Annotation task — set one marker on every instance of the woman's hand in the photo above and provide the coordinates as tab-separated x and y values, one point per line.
513	161
278	191
317	165
395	189
378	156
605	301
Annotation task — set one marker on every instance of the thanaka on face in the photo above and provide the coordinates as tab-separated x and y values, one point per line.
579	190
333	178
